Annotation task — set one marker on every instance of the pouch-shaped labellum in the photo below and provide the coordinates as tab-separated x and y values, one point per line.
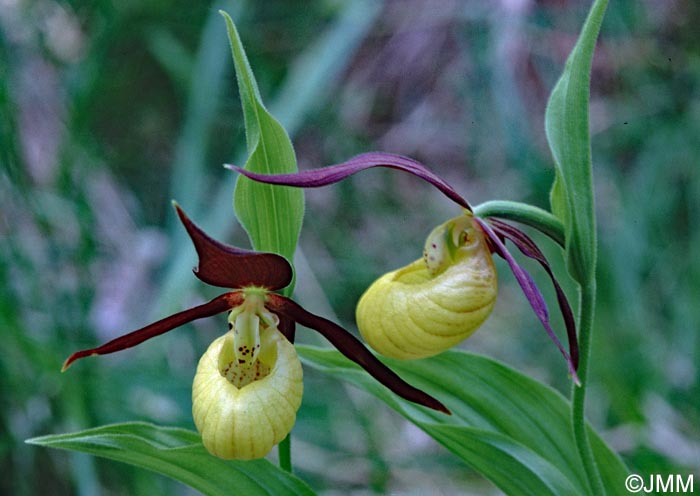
433	303
243	411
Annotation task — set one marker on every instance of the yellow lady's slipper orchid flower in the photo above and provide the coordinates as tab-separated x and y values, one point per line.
430	305
248	384
433	303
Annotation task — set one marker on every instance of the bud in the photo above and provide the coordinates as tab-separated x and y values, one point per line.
432	304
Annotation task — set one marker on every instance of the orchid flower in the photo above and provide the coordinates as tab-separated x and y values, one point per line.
248	385
434	303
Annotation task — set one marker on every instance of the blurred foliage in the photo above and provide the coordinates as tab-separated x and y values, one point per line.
110	109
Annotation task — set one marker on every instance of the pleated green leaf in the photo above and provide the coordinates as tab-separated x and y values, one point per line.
566	125
179	454
272	215
517	469
504	424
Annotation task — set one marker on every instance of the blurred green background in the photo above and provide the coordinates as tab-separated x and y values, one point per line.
108	110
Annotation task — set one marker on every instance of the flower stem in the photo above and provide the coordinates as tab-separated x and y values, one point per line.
530	215
578	420
284	449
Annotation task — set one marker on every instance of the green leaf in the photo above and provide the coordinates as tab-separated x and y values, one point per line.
566	125
513	467
500	418
179	454
272	215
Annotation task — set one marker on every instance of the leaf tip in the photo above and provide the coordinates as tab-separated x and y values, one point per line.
33	440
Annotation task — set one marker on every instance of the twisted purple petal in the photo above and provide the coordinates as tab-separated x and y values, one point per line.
528	248
532	292
334	173
218	305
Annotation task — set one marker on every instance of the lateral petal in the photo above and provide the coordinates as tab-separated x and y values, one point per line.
532	292
528	248
217	305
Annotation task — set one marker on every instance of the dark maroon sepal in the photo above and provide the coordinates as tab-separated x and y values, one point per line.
528	248
353	349
334	173
230	267
530	289
217	305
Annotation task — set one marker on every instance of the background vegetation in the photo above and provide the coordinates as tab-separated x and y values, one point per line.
110	109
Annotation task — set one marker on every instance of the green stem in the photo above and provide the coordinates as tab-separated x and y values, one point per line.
284	449
538	218
578	420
